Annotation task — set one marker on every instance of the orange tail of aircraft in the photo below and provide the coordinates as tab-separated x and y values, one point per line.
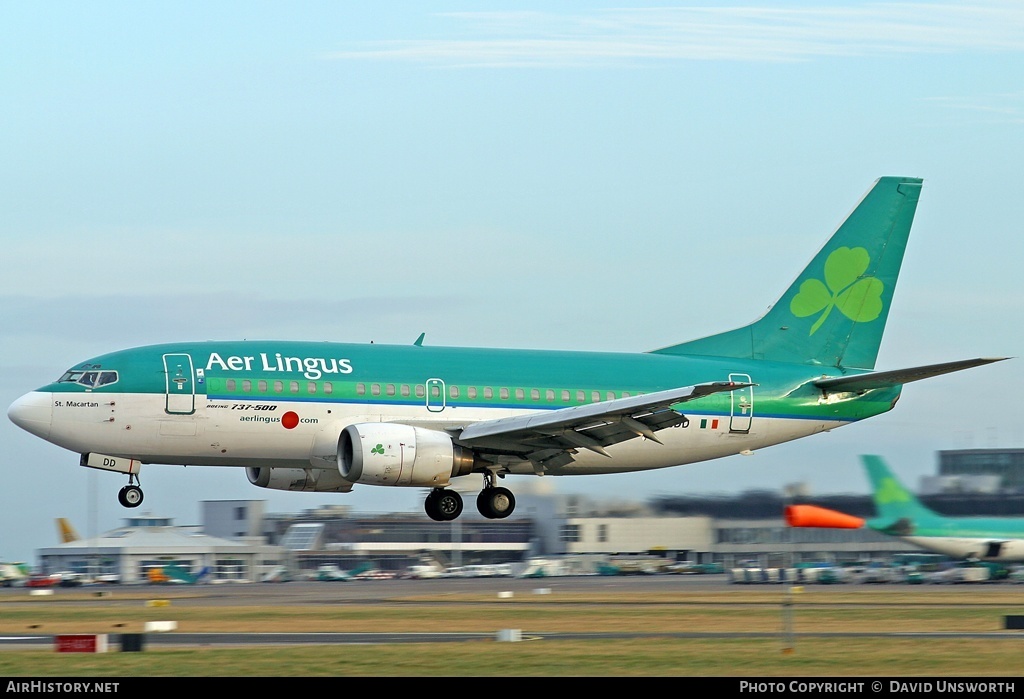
813	516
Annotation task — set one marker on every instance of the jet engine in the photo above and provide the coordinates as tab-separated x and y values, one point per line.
386	453
308	480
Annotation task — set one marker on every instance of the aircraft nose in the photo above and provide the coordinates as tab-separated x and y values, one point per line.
33	412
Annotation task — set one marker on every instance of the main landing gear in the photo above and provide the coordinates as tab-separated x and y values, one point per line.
131	494
493	502
443	505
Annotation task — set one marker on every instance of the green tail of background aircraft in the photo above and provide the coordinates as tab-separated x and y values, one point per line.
324	417
899	513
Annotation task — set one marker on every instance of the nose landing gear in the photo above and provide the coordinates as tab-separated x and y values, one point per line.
131	494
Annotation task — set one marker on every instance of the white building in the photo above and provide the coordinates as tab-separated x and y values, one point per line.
144	543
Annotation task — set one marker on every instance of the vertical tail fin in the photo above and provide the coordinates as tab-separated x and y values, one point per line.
834	313
67	532
893	502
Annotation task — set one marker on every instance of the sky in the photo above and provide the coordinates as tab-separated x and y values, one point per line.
573	175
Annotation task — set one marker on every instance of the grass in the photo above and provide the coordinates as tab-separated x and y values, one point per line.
735	610
636	657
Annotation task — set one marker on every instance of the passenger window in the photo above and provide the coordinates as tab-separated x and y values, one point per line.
360	389
375	389
535	394
390	389
405	390
565	396
246	386
328	388
610	395
420	391
581	397
471	392
453	391
278	386
293	386
503	393
549	395
230	385
625	394
311	387
595	396
488	393
435	391
520	394
261	386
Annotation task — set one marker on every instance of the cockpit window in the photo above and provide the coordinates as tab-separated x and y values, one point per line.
106	377
90	379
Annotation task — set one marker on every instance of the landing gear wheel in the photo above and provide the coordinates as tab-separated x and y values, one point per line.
430	506
443	505
495	503
130	496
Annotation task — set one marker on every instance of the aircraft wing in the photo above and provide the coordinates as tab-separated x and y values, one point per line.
550	438
897	377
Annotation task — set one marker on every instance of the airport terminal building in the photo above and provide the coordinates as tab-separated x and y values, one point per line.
238	542
128	554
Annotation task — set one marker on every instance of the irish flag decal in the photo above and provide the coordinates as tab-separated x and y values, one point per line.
709	422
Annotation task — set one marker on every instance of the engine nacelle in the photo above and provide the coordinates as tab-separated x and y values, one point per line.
385	453
308	480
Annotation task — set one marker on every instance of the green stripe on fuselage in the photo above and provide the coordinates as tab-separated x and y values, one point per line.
781	390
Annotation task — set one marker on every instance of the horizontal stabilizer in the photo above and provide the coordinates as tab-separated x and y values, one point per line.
897	377
814	516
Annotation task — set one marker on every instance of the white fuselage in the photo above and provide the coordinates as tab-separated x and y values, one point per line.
227	432
970	548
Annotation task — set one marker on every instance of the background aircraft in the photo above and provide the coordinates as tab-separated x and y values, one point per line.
14	574
174	573
324	417
332	573
899	513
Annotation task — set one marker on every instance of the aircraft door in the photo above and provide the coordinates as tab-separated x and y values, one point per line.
181	384
435	395
741	412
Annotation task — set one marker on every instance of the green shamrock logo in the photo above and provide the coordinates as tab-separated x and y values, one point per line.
379	449
890	492
858	298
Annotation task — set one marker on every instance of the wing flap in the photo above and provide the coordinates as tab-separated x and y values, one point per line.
546	435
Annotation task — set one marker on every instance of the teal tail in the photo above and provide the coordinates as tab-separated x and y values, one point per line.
898	510
834	313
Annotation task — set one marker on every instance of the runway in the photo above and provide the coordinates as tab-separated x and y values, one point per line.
573	590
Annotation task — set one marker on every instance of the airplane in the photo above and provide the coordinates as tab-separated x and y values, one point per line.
175	573
899	513
14	574
325	417
332	573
